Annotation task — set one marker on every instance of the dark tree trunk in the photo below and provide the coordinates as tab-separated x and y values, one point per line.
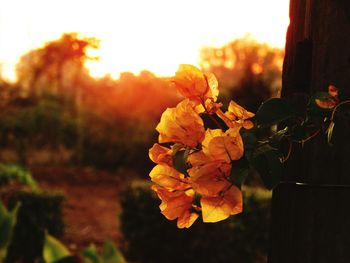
311	223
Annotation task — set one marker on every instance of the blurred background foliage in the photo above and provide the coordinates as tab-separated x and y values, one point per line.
57	115
151	237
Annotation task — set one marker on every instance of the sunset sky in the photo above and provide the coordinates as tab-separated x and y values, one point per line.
156	35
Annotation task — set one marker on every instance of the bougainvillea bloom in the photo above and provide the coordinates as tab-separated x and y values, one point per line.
195	85
181	125
193	175
236	115
222	146
332	101
176	205
168	177
159	154
201	170
333	91
210	179
218	208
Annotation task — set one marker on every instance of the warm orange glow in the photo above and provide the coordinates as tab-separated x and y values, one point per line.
156	35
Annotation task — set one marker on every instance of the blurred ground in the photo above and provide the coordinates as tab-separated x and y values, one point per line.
92	204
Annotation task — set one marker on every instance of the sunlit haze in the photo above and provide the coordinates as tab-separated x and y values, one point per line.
156	35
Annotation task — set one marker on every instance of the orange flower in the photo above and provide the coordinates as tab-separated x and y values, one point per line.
223	146
326	103
159	154
195	85
176	205
199	159
332	101
211	106
210	179
237	116
333	91
218	208
168	177
181	125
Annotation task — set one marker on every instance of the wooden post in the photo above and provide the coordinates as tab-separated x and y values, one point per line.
311	221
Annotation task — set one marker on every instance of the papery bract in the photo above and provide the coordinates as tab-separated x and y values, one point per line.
218	208
159	154
210	179
178	205
237	116
326	103
222	146
168	177
195	85
197	167
181	124
332	101
199	158
333	91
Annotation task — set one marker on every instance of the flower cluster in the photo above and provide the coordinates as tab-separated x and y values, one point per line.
193	173
331	100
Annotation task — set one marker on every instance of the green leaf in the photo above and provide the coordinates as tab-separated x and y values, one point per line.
239	172
269	166
68	259
274	111
250	143
176	147
322	95
91	254
238	176
277	138
180	161
249	140
54	250
330	132
111	254
263	149
7	223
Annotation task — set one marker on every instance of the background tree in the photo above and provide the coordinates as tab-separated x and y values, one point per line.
310	222
249	71
56	66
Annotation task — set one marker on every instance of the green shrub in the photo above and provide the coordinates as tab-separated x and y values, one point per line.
14	173
152	238
39	211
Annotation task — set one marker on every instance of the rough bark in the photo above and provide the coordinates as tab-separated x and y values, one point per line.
312	223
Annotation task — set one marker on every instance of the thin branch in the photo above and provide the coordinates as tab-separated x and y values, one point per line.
336	107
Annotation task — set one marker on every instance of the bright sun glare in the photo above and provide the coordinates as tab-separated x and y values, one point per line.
156	35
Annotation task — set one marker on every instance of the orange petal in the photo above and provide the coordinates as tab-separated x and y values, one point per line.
176	205
248	125
326	104
210	179
226	148
186	219
333	91
213	86
238	111
181	124
209	135
159	154
168	177
190	82
199	158
215	209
